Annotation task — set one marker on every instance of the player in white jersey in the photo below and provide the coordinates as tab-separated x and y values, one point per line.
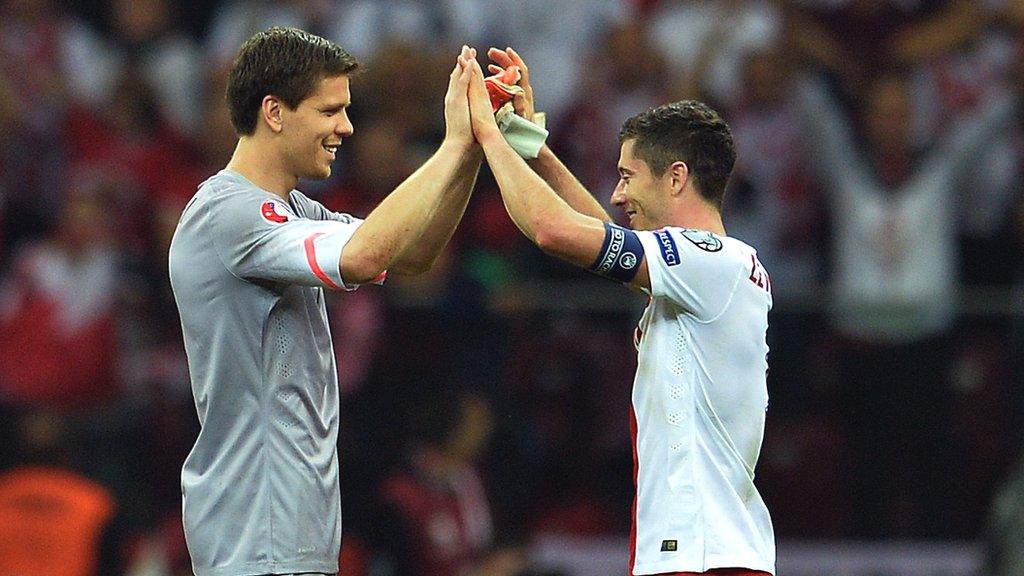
249	262
699	396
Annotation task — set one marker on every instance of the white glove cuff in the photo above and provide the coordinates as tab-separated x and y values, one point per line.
525	137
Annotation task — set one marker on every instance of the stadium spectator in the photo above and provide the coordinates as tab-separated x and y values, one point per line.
58	311
894	291
851	39
705	43
775	200
630	72
33	103
53	520
144	36
444	524
558	32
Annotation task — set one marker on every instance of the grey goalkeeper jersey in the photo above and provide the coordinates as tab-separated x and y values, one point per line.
260	487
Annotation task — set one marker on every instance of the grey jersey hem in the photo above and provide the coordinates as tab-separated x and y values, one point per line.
264	568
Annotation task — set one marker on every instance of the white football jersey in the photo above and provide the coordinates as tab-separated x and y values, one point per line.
699	402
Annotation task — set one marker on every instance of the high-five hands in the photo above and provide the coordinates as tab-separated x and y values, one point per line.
458	130
481	112
525	137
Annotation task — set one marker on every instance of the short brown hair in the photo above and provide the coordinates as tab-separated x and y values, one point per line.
688	131
285	62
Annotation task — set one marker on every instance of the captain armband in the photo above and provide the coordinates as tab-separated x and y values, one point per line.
620	255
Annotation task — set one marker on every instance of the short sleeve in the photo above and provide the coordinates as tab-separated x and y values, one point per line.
317	211
692	268
261	237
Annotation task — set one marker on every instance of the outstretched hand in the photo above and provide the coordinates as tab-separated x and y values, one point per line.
523	103
458	127
482	116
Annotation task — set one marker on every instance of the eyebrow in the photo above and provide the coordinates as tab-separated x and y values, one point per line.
626	171
334	106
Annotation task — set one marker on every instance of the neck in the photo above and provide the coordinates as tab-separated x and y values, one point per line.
693	212
263	166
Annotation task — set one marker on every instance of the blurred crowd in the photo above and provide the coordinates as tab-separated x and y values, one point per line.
879	175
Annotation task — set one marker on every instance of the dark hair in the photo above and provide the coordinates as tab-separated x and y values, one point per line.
285	62
689	131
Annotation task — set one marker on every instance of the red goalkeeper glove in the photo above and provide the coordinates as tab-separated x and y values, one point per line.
502	87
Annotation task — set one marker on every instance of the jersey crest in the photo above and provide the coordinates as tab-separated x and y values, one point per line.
702	239
272	211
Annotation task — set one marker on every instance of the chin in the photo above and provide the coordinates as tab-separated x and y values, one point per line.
321	173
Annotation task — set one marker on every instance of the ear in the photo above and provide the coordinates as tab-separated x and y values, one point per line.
678	174
270	111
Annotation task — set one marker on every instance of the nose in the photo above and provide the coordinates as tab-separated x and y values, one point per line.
619	193
344	128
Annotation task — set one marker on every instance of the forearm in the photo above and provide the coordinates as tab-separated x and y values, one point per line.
565	184
541	214
970	138
829	139
420	255
403	216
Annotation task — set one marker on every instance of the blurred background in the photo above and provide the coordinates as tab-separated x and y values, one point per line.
485	404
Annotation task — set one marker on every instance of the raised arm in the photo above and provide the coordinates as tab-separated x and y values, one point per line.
547	164
421	255
410	227
544	217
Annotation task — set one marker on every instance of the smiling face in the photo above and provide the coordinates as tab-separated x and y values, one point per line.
639	193
312	132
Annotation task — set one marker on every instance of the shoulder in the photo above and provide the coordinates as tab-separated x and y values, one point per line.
315	210
306	206
677	245
233	198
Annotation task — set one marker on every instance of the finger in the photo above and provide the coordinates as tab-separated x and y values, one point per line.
463	80
514	56
495	68
518	60
477	91
475	70
500	57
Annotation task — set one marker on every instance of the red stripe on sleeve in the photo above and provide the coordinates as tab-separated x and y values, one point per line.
314	265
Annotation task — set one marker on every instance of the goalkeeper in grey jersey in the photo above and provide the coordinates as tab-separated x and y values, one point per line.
249	263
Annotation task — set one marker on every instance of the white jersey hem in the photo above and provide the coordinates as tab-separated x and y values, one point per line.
712	563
